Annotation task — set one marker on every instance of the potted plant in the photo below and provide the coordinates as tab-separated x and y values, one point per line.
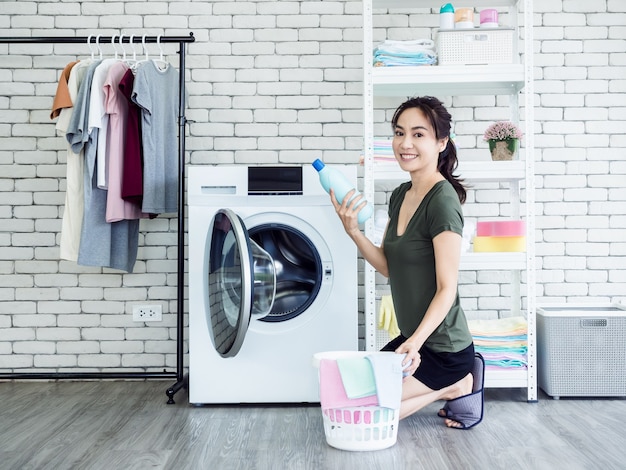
503	138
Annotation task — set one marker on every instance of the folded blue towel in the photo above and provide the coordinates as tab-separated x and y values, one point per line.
357	376
387	367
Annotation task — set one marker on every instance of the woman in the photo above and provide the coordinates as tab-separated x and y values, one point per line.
420	255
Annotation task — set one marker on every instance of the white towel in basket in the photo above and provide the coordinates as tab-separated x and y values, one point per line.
387	367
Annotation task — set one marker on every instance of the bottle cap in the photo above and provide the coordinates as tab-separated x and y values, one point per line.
447	8
318	164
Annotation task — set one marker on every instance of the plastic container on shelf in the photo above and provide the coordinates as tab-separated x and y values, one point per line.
464	18
501	228
333	178
499	244
475	47
489	18
446	16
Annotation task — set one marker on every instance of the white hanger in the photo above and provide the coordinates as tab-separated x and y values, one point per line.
143	45
132	46
114	46
160	48
130	62
90	48
136	63
98	46
123	48
161	63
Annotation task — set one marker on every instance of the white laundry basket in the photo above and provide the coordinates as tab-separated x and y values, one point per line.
358	428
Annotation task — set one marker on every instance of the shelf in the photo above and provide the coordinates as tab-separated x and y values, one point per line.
501	261
487	171
506	378
454	80
382	172
408	4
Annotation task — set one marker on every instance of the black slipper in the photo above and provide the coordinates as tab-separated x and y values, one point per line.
468	410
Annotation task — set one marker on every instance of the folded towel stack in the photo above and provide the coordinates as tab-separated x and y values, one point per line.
383	151
503	342
391	53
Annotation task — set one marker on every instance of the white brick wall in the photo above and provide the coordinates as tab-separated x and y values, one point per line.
280	82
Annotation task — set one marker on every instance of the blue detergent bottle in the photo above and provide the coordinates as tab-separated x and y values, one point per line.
333	178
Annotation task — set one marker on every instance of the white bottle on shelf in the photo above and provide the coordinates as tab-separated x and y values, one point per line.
446	16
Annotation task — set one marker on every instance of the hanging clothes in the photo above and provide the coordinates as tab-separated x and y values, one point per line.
116	108
100	119
155	91
122	157
105	244
132	171
62	103
72	222
62	98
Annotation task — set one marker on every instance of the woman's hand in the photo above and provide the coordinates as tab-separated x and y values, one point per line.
412	359
348	210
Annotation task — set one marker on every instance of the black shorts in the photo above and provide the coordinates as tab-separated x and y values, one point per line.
438	370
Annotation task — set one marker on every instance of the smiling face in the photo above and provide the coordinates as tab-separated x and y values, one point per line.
415	144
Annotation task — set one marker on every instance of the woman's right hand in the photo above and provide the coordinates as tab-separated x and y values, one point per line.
348	210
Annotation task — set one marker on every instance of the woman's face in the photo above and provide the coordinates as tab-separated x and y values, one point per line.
415	145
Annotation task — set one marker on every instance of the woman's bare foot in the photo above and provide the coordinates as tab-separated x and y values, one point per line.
453	424
459	389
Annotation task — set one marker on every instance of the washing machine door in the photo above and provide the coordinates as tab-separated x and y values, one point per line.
240	282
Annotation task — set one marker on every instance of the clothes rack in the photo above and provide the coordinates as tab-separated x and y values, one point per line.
182	122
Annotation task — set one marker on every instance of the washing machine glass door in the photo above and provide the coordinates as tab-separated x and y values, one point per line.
240	280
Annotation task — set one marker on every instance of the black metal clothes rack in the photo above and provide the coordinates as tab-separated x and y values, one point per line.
182	122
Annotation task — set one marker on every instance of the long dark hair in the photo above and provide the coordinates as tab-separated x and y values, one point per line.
440	119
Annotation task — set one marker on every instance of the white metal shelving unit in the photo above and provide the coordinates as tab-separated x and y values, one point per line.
460	80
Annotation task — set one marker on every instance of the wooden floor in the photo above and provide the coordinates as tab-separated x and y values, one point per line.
127	425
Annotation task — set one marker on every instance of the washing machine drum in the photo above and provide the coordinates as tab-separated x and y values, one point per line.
269	272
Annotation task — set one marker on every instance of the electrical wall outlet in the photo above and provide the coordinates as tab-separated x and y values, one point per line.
147	312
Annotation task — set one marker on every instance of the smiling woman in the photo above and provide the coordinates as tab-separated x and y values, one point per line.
420	254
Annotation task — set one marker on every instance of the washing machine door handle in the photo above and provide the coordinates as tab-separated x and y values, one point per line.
239	280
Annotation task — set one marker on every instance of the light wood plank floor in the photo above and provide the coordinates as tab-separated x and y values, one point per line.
127	425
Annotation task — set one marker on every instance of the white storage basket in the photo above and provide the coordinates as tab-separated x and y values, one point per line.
360	428
475	46
581	350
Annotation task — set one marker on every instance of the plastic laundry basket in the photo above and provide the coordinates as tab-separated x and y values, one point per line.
362	427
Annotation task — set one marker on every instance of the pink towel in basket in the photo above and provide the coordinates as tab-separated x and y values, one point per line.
332	391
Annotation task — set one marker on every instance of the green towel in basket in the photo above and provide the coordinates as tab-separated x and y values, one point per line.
357	376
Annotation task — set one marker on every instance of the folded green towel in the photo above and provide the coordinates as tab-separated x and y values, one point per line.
357	376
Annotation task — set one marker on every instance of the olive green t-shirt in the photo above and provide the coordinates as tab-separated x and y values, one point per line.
411	263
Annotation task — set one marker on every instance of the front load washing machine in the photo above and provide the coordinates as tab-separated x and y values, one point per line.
272	280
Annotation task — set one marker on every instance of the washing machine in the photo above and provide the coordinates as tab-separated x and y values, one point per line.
272	280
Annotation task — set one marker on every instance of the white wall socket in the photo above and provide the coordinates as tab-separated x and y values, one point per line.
147	312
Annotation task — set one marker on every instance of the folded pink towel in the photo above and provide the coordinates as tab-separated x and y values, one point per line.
332	391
